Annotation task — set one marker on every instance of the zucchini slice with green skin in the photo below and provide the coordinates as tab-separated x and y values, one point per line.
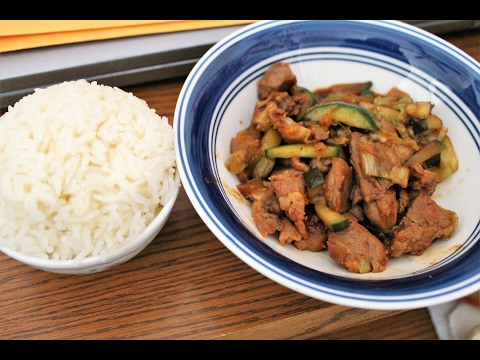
302	151
431	122
263	168
425	153
271	138
304	91
341	112
301	91
313	178
333	220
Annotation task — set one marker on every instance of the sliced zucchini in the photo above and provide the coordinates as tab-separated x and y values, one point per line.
333	220
302	151
263	168
341	112
271	138
313	194
434	161
314	183
367	92
301	91
431	122
313	178
425	153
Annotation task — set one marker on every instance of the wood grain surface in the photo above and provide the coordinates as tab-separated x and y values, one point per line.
187	285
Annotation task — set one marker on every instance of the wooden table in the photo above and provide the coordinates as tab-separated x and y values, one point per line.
187	285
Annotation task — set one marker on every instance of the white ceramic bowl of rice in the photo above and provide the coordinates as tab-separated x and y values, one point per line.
88	177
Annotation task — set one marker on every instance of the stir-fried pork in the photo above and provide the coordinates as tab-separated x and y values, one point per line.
265	207
338	185
357	249
289	187
422	179
424	222
291	131
380	197
371	188
317	235
279	77
245	150
383	211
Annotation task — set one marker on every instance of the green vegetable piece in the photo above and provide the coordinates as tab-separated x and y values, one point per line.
333	220
313	178
263	168
341	112
431	122
271	138
301	151
304	91
434	161
367	92
301	91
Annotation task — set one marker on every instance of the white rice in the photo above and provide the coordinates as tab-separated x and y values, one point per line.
84	169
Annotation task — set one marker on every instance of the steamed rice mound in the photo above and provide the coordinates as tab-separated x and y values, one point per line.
84	169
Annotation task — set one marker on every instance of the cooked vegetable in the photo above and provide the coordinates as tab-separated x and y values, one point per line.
302	151
431	122
313	178
425	153
448	162
333	220
342	112
271	138
418	110
264	166
304	91
301	91
373	166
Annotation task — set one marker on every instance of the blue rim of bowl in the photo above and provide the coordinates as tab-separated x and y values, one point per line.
192	123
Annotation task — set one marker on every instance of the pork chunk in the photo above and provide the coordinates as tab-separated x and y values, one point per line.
383	211
371	187
317	236
338	185
265	208
289	187
357	249
424	222
279	77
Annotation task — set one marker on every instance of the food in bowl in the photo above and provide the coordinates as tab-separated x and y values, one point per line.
216	103
344	169
84	169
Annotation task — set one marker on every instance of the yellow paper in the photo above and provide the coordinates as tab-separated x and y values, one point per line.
28	34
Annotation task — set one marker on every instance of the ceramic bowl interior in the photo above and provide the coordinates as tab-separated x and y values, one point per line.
94	264
217	101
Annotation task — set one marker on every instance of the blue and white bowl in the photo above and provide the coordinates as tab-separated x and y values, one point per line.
217	101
